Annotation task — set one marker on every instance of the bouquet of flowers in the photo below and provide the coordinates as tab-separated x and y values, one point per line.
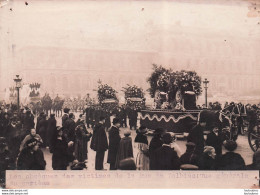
133	92
106	92
134	97
188	81
159	80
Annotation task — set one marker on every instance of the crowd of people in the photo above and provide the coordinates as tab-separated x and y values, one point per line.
22	140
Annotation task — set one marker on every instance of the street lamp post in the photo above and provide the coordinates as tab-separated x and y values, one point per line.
205	82
18	85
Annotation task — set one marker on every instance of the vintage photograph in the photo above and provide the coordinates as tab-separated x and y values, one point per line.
145	87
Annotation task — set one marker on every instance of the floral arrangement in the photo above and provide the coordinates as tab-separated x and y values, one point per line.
106	92
134	97
35	85
165	80
159	80
133	92
188	81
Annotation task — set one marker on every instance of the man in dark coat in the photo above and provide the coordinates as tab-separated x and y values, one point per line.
28	122
165	157
99	143
39	118
133	118
214	140
189	157
65	116
114	140
51	128
87	113
231	160
196	136
69	132
207	159
155	143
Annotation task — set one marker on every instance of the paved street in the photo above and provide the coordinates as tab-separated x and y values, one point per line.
243	149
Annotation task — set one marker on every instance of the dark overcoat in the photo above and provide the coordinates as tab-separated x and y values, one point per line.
114	140
99	139
166	159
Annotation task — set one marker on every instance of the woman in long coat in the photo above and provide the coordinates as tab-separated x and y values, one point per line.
81	143
141	143
125	148
43	124
51	128
59	148
31	157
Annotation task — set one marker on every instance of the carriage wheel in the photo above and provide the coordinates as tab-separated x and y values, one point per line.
254	140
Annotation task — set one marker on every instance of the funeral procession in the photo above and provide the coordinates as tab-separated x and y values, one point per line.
105	91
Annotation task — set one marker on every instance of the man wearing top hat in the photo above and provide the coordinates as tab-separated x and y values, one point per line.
114	140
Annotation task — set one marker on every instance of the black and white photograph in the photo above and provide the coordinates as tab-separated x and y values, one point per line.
147	89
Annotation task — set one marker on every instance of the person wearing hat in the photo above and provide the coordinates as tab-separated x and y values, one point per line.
125	148
51	128
141	144
32	135
214	139
69	131
114	140
189	157
155	143
43	125
166	157
81	142
231	160
196	136
60	150
28	121
39	118
31	157
65	116
99	143
207	159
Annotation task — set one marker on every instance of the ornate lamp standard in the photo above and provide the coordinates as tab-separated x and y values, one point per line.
205	82
18	85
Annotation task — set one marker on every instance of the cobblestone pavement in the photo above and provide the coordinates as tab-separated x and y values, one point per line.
243	149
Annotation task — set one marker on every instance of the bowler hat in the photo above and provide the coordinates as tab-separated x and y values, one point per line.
115	121
167	138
